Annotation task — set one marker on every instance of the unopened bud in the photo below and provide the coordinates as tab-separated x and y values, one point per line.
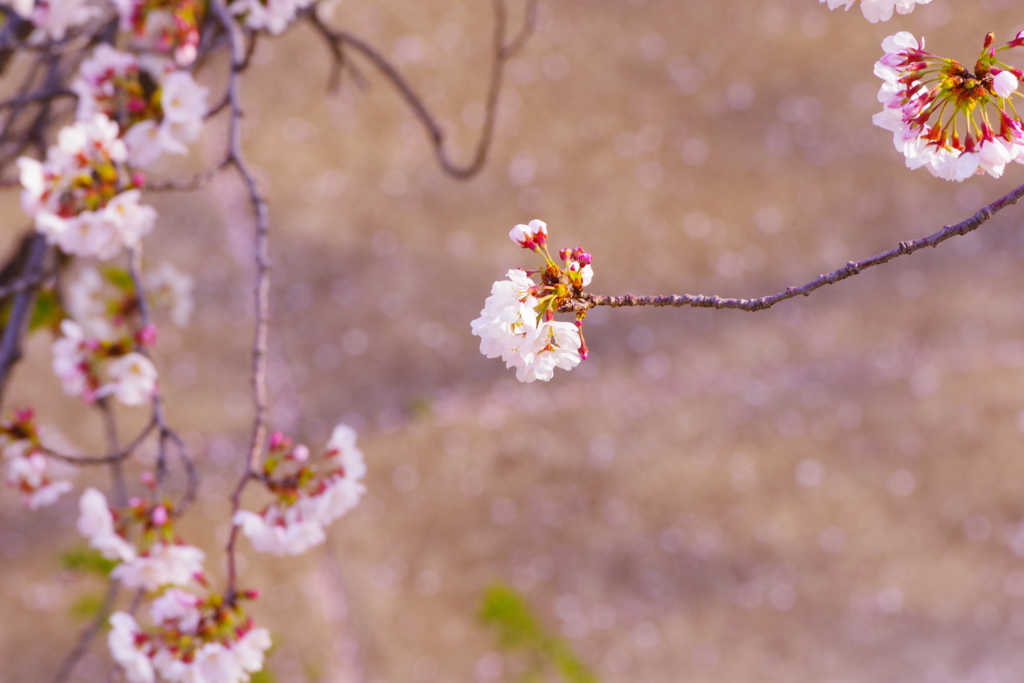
159	516
279	441
147	335
148	479
299	454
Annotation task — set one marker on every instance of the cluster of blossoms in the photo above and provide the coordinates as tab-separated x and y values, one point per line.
308	495
104	302
27	466
94	368
159	109
168	26
192	640
878	10
518	322
164	25
82	197
270	15
54	18
159	558
954	122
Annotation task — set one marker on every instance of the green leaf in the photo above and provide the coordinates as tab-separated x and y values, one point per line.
120	278
518	629
47	313
87	606
86	560
505	610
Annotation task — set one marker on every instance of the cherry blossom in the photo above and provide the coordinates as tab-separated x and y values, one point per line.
83	363
124	640
54	18
169	287
132	379
111	83
192	640
270	15
166	27
306	502
953	122
517	323
878	10
96	523
81	196
28	474
530	236
163	564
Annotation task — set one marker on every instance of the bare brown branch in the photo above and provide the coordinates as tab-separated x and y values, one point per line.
501	53
187	184
88	634
849	270
21	311
236	158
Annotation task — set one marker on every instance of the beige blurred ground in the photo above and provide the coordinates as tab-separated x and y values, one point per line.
831	491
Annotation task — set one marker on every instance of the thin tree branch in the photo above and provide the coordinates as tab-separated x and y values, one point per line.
38	96
113	446
502	52
88	634
193	183
849	270
21	311
166	433
237	159
116	456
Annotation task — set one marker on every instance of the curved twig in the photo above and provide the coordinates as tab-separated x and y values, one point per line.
86	460
262	289
193	183
849	270
502	52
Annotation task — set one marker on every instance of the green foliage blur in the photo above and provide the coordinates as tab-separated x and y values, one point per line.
86	561
518	630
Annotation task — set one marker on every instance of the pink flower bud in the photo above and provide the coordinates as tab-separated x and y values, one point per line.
147	335
299	454
159	516
530	236
278	441
148	479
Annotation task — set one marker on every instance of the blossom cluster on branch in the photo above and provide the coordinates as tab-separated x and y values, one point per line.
137	99
955	122
518	322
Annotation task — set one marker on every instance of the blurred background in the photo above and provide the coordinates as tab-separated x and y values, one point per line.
831	490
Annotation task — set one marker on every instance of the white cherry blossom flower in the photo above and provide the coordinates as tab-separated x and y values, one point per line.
878	10
555	345
96	523
270	15
162	565
132	379
942	115
54	18
177	608
251	649
70	360
1005	84
123	641
28	474
172	288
